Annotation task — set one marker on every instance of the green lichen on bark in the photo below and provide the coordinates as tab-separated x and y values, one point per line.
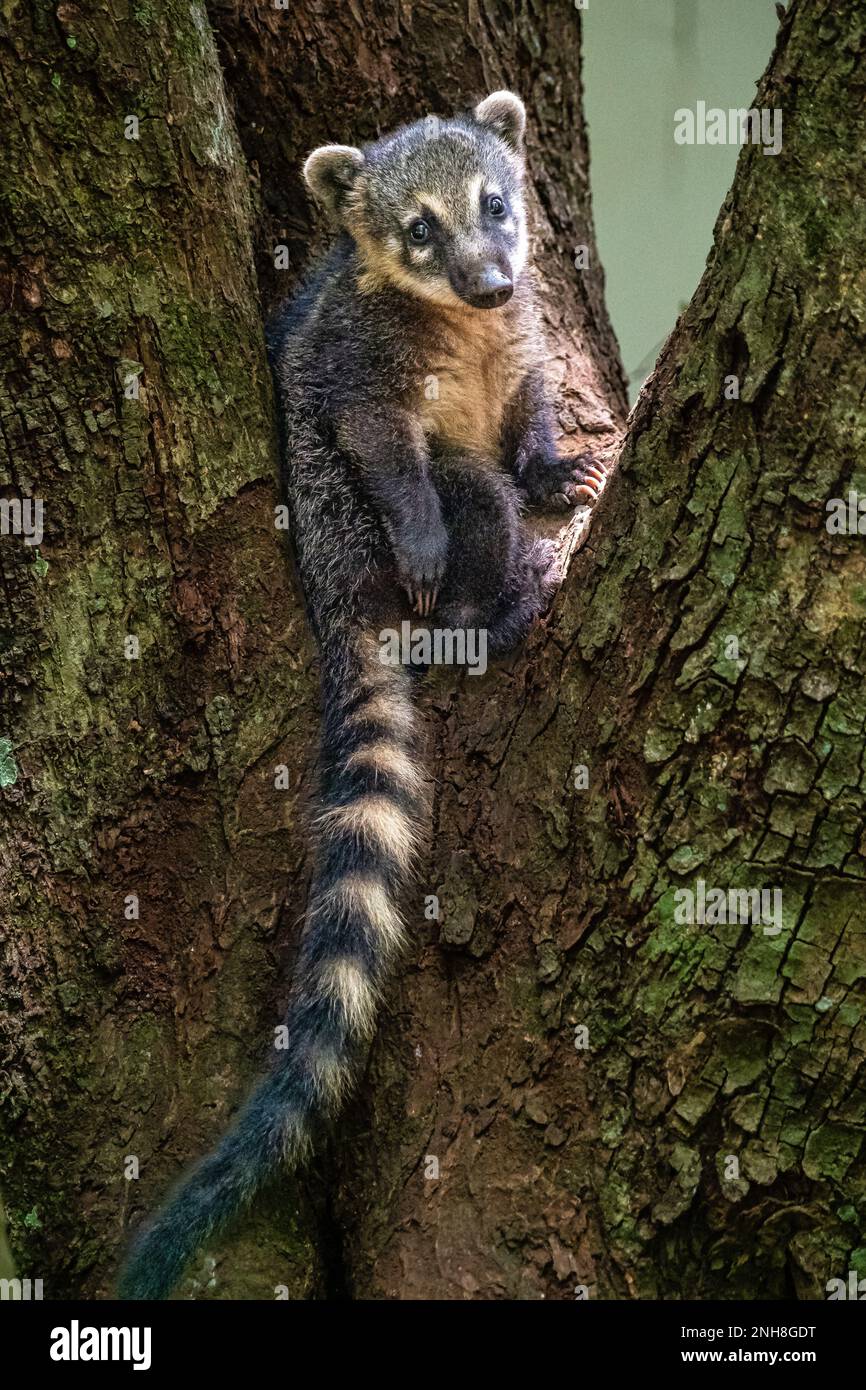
711	1117
612	1097
752	754
136	404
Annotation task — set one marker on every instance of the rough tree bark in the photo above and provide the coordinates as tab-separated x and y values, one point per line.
607	1166
132	259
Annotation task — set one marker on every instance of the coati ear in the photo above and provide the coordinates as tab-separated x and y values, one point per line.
504	114
330	173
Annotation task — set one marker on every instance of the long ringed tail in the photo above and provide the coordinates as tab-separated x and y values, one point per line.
372	797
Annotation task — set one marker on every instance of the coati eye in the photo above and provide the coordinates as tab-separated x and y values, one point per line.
419	232
495	206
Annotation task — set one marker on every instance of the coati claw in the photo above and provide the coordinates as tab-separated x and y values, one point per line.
420	567
563	482
426	602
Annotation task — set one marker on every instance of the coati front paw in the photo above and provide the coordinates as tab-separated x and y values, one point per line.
421	556
563	482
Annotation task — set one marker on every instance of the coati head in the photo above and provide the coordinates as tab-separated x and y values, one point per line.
436	208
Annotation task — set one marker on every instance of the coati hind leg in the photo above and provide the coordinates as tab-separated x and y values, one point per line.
499	578
537	579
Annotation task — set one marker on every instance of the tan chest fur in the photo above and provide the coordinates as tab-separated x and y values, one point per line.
479	362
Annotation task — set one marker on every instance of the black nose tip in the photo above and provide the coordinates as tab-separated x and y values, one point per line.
490	290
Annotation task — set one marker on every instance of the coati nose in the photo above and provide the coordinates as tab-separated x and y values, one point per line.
489	289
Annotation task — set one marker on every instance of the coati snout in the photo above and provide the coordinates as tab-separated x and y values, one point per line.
485	286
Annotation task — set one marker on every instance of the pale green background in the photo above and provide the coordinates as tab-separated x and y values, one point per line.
656	202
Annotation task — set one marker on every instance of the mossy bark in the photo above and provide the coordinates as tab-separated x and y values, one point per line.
129	261
606	1165
141	779
703	1137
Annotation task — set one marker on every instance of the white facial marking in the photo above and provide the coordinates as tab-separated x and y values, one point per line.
436	206
473	195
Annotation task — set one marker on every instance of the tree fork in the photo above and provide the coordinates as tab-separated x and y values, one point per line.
608	1165
158	675
618	1102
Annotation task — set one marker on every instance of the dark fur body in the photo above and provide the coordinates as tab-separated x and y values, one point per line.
414	429
351	373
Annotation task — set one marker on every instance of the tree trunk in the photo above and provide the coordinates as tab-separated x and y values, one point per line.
603	1158
486	1154
150	873
153	876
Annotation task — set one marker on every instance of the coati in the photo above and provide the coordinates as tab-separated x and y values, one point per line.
414	426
